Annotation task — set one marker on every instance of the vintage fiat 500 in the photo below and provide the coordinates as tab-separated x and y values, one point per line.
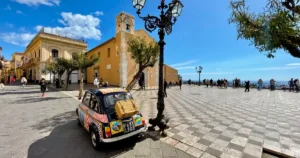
97	114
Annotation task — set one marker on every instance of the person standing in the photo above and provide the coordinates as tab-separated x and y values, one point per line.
180	83
96	82
2	86
291	84
211	83
207	82
297	85
165	88
43	86
247	86
260	83
24	81
272	83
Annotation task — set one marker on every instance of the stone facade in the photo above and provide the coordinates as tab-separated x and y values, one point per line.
45	48
116	65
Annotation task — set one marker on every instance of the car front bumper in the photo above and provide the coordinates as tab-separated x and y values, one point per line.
115	139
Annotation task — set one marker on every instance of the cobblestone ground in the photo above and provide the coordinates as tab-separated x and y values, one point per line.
212	122
36	127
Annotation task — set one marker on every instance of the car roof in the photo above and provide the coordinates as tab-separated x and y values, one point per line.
105	91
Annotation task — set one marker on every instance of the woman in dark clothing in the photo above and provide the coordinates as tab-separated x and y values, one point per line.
165	88
180	83
247	86
43	86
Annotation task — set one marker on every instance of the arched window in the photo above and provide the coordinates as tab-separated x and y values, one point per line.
127	26
54	53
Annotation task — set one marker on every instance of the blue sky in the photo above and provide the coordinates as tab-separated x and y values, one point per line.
201	37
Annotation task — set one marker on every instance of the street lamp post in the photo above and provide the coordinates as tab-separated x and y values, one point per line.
168	17
199	70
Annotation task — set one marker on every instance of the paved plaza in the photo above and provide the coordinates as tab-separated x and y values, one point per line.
205	122
36	127
229	122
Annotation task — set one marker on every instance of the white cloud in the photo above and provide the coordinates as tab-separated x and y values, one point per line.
185	67
21	39
98	13
22	29
7	7
293	64
10	25
184	63
19	12
76	26
39	2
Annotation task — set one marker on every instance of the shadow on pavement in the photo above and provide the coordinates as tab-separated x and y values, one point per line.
67	139
36	100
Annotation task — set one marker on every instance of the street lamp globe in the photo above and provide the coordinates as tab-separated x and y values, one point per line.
176	6
138	4
200	68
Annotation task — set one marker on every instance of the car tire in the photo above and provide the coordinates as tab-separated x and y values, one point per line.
94	137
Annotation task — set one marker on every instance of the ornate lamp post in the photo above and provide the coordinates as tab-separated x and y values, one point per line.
168	16
199	70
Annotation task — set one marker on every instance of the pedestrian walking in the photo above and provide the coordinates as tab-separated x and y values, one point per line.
2	86
247	86
272	84
180	83
207	82
297	85
165	88
211	83
291	84
260	83
43	86
96	82
24	81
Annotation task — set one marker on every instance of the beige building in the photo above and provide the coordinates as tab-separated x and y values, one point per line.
116	65
16	63
170	74
45	48
6	71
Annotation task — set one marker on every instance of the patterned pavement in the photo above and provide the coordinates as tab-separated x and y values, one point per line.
212	122
36	127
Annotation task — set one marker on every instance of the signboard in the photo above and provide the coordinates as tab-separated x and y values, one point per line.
108	67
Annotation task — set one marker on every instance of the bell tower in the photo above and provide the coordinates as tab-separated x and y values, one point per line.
125	22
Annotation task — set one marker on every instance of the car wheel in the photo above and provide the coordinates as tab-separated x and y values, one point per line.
94	136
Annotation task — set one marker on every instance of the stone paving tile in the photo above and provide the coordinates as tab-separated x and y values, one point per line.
265	119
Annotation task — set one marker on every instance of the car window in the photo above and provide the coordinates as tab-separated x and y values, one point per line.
86	100
111	99
94	104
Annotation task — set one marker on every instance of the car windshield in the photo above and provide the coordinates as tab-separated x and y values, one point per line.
111	99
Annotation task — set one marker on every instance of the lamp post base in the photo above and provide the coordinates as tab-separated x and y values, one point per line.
160	121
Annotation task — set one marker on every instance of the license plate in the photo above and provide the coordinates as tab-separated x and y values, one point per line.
128	126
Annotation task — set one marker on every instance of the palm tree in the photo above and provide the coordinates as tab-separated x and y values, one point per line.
145	55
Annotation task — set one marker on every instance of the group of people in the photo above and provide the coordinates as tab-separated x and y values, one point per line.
294	85
100	83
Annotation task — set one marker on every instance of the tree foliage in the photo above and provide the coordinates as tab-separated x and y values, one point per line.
275	28
145	55
83	63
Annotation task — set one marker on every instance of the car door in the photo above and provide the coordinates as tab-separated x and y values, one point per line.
83	110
